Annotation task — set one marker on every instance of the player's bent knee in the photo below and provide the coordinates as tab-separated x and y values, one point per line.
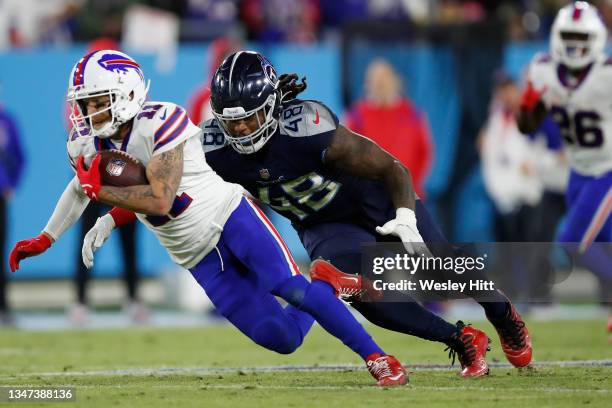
275	336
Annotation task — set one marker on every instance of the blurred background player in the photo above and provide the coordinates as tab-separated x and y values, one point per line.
570	83
389	118
211	229
11	169
518	172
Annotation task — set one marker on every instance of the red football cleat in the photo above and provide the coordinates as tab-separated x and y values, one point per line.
346	286
514	338
471	346
387	370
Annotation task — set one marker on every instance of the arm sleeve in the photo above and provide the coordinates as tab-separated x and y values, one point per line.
68	210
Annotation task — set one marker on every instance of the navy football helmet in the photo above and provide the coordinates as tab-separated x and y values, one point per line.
246	84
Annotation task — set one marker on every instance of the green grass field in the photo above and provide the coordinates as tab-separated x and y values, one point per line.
202	367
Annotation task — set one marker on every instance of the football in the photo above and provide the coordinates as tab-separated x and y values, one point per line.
120	169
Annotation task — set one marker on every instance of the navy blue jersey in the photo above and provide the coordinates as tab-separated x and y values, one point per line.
289	174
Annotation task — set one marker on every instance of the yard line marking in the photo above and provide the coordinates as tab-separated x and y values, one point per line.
285	368
251	386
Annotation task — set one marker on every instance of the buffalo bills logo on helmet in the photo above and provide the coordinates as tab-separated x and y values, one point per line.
119	63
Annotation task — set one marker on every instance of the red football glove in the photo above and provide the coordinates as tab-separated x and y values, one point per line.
531	96
27	248
121	216
90	178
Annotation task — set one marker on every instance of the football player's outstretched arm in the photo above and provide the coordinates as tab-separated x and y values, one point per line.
360	156
164	173
67	211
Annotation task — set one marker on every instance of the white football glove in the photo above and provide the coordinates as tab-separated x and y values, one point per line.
404	226
96	237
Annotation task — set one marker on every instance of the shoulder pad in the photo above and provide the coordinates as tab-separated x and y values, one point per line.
166	124
541	68
154	115
303	118
212	135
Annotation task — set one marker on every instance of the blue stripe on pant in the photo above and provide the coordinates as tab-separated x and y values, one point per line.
249	267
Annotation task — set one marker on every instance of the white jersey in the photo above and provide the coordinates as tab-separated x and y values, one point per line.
583	111
204	201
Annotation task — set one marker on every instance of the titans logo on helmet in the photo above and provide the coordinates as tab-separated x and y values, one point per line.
268	69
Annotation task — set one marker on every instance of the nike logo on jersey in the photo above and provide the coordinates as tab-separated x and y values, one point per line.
316	119
352	278
163	117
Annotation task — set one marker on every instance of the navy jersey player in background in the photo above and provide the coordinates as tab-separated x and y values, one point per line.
571	84
339	190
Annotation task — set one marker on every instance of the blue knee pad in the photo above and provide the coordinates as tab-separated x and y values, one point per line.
276	335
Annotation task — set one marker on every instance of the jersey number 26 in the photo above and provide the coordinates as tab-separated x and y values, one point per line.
582	128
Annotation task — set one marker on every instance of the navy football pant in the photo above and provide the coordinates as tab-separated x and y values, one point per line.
341	243
249	266
589	200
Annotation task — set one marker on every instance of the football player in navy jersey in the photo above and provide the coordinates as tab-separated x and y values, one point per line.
339	190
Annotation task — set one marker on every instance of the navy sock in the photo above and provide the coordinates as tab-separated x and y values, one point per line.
496	310
317	299
407	317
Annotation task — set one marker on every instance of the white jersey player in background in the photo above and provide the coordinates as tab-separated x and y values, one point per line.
574	84
205	223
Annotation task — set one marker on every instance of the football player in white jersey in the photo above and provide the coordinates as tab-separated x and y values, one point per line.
205	223
571	83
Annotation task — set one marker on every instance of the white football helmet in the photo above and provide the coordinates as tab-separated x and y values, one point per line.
578	35
106	72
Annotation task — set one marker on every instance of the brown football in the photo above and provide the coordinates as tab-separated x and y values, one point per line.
120	169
